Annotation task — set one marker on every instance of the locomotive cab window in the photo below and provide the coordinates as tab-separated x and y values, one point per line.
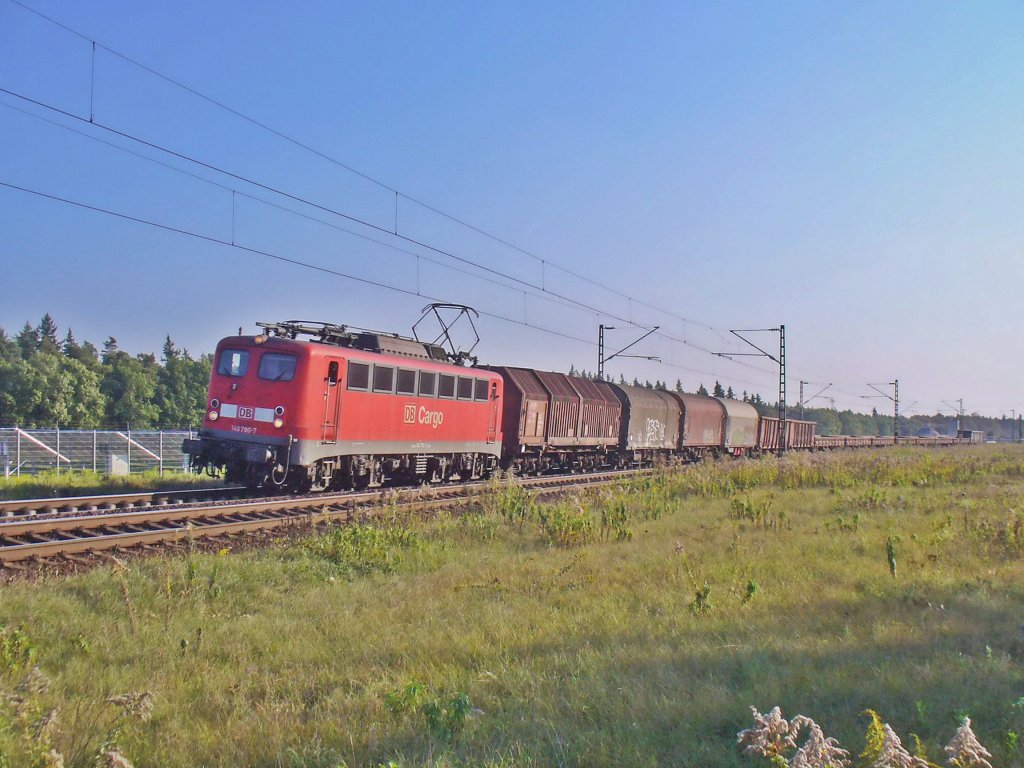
332	373
233	362
465	388
480	392
406	382
446	386
383	378
428	382
275	367
358	376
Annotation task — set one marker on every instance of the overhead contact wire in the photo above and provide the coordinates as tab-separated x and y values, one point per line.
367	177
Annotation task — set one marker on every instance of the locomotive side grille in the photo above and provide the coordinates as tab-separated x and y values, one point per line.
421	463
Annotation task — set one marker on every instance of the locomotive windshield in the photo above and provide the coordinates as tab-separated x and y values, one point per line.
233	362
276	367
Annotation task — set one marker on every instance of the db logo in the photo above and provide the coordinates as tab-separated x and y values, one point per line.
246	412
410	414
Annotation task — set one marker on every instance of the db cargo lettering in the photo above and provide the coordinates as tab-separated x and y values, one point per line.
433	418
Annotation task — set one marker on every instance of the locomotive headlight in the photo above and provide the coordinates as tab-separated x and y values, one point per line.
279	410
214	415
260	339
278	422
215	403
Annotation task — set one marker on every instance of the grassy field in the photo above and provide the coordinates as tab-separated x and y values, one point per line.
85	483
627	627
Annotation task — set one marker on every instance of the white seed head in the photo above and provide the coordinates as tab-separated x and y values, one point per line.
965	751
138	705
819	751
770	735
894	754
114	759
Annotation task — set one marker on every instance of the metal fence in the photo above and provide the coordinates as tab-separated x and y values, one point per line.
113	452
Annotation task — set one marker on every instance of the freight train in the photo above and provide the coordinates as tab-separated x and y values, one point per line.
315	406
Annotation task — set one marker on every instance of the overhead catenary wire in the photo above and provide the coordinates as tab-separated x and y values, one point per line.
235	191
327	209
390	188
350	168
268	254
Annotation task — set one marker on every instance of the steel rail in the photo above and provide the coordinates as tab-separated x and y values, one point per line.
28	507
42	538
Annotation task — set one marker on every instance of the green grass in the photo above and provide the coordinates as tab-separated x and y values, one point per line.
628	627
87	483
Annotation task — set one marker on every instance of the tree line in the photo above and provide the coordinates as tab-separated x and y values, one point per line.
48	381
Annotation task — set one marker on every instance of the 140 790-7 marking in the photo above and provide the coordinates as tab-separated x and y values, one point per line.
414	415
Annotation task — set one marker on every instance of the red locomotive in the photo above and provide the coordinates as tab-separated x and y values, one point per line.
345	410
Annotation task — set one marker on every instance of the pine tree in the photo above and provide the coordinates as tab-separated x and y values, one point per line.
28	341
730	394
47	332
171	351
719	392
702	390
109	349
70	346
679	385
8	348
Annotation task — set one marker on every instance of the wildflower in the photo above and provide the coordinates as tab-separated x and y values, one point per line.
819	751
769	736
138	705
45	726
35	682
114	759
965	751
54	759
16	702
895	755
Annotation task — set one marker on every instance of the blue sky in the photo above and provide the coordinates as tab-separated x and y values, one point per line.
851	170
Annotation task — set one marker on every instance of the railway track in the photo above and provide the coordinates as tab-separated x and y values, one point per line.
23	508
52	538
